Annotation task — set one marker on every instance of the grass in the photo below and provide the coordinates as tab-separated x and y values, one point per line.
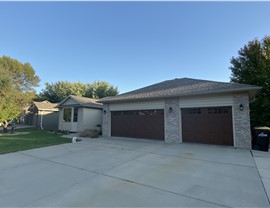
35	139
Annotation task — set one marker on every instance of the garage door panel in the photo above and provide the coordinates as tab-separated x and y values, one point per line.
207	125
147	124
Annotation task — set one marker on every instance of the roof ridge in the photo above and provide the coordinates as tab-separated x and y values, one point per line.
82	101
83	97
181	87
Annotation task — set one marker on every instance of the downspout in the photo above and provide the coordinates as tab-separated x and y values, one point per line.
41	119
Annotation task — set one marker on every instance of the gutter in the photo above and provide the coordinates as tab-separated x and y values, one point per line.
247	89
41	119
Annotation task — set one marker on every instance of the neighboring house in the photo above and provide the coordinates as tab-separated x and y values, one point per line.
43	115
182	110
77	114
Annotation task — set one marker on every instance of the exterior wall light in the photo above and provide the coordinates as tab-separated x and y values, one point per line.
170	109
241	107
104	112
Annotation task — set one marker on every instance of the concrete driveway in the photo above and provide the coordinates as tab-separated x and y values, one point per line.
129	172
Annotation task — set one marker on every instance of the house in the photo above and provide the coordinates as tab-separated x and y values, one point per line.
43	115
183	110
77	114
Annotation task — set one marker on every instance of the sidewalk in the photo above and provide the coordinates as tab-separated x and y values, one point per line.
262	160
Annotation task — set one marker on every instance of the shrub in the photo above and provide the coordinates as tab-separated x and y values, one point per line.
65	132
89	133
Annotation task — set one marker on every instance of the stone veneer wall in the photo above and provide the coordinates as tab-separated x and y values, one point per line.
106	123
242	131
171	121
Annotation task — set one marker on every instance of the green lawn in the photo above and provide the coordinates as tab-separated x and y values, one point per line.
35	139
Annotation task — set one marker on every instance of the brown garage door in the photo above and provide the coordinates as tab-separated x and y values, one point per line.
207	125
147	124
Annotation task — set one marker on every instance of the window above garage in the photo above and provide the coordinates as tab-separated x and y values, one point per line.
218	111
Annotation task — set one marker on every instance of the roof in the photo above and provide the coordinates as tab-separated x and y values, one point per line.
81	101
45	105
179	88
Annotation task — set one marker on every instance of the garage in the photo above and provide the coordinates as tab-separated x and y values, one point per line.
187	110
212	125
148	124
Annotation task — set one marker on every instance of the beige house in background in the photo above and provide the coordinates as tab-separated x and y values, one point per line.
43	115
77	114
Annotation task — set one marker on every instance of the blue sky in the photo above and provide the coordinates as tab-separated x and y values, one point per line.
129	44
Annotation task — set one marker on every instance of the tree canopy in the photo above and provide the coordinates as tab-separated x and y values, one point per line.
23	75
103	89
17	82
252	66
9	108
58	91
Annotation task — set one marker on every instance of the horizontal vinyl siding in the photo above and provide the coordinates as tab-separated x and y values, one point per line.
147	105
206	101
69	102
91	118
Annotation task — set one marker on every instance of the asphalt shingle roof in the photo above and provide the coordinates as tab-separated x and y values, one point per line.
178	88
46	105
82	101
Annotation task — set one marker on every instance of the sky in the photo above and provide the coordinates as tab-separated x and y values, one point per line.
129	44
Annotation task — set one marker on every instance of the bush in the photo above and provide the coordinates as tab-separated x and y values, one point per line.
89	133
65	132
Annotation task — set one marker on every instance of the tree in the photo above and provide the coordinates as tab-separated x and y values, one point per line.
58	91
8	107
104	89
23	75
252	66
17	84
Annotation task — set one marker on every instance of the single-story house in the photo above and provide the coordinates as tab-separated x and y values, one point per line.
182	110
77	114
43	115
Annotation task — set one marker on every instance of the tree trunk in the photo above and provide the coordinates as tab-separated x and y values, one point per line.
5	126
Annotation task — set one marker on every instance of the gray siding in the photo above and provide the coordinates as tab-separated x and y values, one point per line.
90	119
70	101
50	120
206	101
147	105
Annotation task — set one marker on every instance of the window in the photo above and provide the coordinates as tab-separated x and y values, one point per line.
128	113
75	115
116	113
194	111
217	111
67	114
